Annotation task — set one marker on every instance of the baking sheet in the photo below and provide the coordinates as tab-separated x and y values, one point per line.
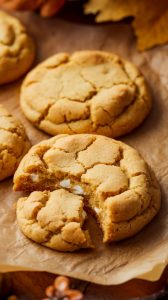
143	256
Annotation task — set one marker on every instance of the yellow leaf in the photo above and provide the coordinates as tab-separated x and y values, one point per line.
152	29
150	17
110	10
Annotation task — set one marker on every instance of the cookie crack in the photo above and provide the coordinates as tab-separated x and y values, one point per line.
142	200
111	194
70	243
151	205
44	114
137	94
107	113
122	65
9	150
37	211
14	131
62	63
49	237
134	100
30	82
90	82
86	99
116	163
102	87
17	53
84	149
145	102
69	126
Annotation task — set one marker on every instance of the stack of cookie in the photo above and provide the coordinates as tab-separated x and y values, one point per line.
83	100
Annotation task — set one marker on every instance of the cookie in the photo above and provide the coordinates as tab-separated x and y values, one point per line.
111	178
17	49
86	92
14	143
54	219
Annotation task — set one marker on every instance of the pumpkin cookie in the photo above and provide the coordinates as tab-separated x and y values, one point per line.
86	92
16	49
54	219
111	178
13	143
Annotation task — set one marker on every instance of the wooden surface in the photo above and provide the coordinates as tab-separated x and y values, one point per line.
31	286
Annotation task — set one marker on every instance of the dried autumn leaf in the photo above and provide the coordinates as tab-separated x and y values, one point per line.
150	17
153	28
110	10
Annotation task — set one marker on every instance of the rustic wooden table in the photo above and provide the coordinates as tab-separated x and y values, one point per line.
31	286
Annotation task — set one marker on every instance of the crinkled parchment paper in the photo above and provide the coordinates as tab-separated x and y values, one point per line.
144	256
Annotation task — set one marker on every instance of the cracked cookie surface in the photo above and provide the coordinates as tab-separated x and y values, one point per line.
17	50
14	143
54	219
110	178
86	92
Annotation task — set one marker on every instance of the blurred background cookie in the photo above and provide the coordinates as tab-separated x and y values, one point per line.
17	49
14	143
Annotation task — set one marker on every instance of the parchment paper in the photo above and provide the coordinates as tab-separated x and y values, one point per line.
144	256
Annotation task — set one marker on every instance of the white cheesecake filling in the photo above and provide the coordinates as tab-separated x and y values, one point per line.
97	210
65	183
34	177
84	215
78	190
